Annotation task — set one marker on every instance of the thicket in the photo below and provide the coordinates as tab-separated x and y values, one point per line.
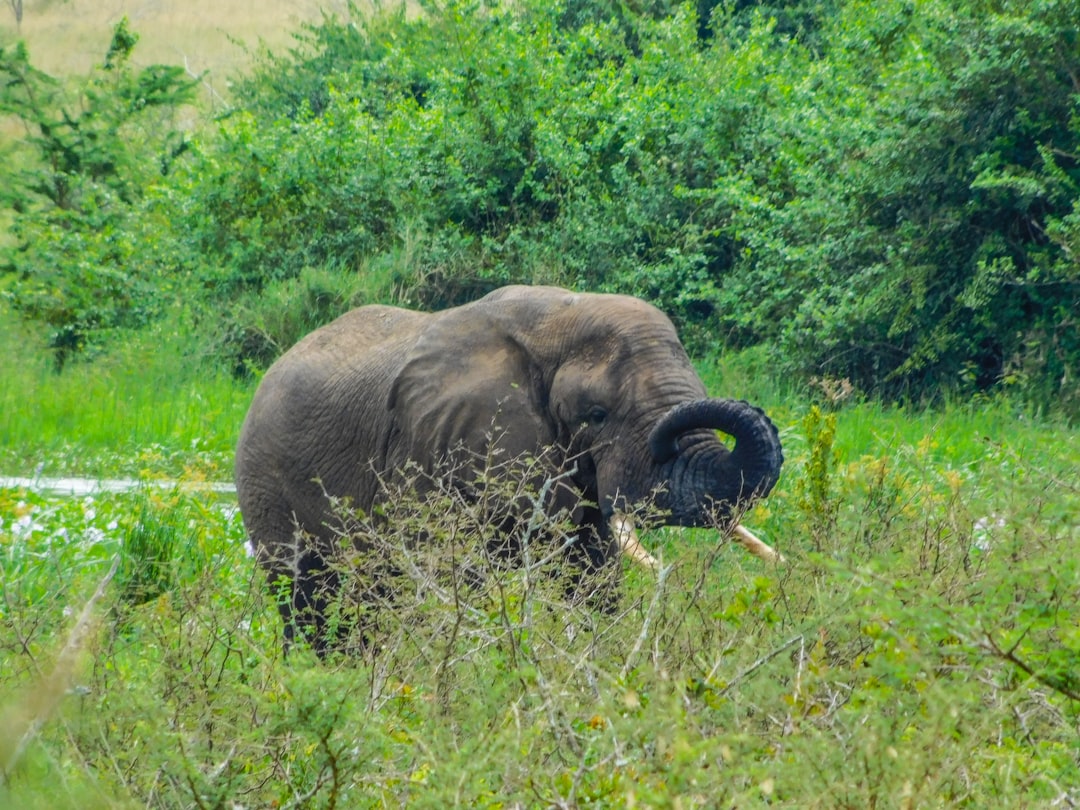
882	192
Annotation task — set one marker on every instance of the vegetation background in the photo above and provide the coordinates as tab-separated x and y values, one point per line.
883	193
862	216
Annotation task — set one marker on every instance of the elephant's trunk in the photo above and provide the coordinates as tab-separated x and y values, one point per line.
704	475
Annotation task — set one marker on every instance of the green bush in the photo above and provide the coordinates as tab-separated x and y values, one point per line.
261	327
947	266
589	177
873	207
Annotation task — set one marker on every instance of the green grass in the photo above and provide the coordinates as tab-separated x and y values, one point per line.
920	646
142	408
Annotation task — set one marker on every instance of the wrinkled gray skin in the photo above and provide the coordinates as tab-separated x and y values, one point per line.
603	379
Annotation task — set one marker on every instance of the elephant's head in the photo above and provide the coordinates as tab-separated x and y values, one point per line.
605	378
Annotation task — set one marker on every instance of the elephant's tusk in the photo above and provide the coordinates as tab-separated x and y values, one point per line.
629	543
757	547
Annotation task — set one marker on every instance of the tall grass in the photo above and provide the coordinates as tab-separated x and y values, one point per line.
920	646
144	406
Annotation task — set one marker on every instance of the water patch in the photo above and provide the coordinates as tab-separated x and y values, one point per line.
79	487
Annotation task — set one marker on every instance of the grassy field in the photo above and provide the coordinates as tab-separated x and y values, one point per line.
211	40
920	646
67	38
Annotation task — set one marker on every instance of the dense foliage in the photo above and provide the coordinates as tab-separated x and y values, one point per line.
879	191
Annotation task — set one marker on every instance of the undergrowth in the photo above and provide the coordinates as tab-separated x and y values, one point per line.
919	647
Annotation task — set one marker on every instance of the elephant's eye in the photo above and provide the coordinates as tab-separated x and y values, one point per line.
596	416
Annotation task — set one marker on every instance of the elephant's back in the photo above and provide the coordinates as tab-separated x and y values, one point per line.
356	333
358	350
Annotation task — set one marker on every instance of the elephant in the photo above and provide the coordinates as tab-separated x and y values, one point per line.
598	383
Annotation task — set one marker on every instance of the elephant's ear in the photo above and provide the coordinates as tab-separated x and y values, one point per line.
468	382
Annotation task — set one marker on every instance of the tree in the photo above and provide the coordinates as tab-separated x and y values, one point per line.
91	156
17	8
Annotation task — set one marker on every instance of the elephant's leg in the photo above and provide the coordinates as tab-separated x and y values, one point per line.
314	607
305	596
